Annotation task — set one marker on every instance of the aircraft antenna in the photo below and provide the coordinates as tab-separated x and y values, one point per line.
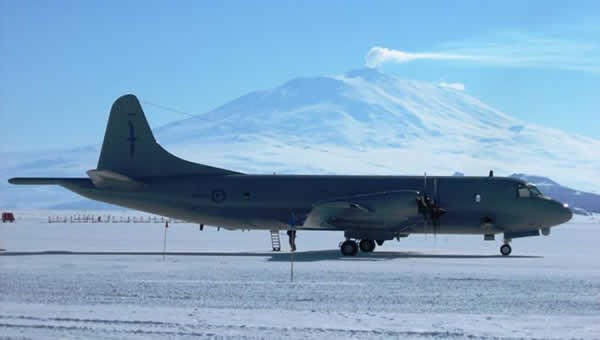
167	108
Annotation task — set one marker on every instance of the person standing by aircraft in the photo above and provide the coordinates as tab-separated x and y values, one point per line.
292	239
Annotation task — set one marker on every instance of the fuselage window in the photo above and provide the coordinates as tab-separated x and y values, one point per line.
477	198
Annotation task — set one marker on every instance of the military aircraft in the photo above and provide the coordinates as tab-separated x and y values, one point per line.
134	171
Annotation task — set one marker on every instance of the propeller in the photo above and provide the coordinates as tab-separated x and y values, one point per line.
429	206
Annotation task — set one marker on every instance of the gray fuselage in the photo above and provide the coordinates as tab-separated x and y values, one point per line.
473	205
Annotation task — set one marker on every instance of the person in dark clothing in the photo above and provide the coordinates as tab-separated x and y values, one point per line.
292	239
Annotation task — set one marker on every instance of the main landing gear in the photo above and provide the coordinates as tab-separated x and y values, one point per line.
350	247
366	246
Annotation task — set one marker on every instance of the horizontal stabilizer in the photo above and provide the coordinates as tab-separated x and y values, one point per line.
36	180
111	179
46	180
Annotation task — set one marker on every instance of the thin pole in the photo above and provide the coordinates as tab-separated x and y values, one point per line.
165	239
291	266
293	239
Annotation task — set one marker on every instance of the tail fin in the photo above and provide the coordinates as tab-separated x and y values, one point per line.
129	147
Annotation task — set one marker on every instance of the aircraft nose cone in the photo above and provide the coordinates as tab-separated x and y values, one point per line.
562	213
566	214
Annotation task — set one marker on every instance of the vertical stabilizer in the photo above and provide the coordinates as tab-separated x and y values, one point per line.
129	147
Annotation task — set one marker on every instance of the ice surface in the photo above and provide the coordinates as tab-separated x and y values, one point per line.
229	285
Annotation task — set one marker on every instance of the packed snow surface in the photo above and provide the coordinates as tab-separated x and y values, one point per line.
228	284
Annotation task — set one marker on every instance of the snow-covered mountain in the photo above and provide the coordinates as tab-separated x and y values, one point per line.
362	108
368	122
360	122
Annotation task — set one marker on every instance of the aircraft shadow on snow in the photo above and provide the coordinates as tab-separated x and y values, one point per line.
301	256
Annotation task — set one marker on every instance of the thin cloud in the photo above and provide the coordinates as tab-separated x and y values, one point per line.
379	55
507	49
453	86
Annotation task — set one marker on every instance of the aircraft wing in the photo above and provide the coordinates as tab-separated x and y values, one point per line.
389	210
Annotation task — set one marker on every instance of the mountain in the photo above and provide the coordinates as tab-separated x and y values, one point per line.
365	121
362	108
360	122
582	203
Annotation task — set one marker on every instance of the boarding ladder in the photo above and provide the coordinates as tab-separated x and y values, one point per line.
275	241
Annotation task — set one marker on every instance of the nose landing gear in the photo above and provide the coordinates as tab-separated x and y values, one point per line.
505	249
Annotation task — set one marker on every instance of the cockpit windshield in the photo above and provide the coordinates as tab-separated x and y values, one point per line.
535	192
528	190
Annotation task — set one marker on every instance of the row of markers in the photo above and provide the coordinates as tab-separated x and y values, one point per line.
111	219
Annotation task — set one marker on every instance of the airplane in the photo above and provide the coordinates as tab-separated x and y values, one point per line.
134	171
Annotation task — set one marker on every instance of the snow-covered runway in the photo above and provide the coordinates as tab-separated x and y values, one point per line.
227	284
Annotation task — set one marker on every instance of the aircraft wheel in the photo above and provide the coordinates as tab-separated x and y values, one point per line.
380	242
366	246
349	248
505	249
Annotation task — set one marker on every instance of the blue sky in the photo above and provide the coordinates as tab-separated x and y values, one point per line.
64	62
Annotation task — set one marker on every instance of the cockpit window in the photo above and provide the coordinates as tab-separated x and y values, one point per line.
528	190
523	192
534	191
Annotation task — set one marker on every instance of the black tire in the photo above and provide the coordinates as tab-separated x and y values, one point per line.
505	249
366	246
349	248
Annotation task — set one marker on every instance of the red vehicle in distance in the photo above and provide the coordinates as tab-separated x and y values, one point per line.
8	217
